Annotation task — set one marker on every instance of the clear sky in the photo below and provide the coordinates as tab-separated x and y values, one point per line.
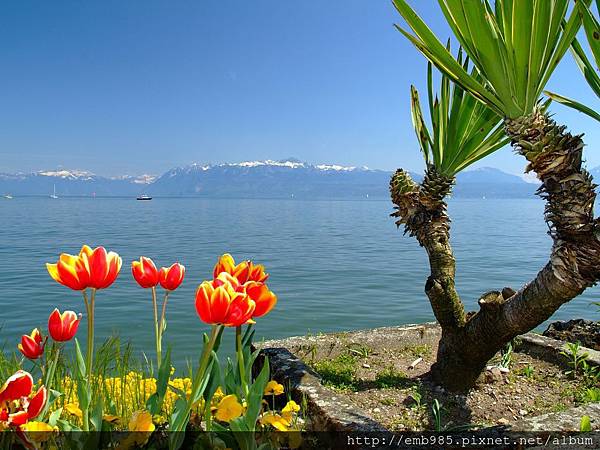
131	87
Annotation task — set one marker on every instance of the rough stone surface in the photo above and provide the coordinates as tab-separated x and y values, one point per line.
577	330
568	420
326	410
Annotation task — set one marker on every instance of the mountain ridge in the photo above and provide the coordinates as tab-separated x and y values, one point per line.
285	178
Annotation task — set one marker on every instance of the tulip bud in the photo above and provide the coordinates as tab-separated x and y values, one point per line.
32	346
63	327
145	272
170	278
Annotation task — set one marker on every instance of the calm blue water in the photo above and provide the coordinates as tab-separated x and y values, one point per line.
335	265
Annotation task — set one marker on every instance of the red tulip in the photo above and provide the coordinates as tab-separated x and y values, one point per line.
32	346
63	327
265	299
17	405
145	272
171	277
91	268
217	302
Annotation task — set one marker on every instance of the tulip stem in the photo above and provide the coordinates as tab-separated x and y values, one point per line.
89	306
240	359
156	332
161	324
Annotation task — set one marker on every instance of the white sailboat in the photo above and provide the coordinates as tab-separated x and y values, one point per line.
8	196
54	193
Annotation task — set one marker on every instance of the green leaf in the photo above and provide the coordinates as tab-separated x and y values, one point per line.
80	362
515	47
585	425
591	26
574	104
52	420
155	402
96	416
255	395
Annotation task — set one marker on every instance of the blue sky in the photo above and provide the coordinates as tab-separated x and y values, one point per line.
131	87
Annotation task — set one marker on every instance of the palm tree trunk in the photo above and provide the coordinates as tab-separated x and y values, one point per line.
467	343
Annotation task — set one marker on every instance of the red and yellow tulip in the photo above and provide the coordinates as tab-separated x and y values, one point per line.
244	271
63	327
218	302
95	268
17	404
145	272
32	346
170	278
248	278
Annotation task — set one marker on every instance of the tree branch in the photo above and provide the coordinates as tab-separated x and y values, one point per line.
422	211
556	157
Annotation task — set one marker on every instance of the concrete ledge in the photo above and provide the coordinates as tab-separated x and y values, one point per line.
549	349
326	409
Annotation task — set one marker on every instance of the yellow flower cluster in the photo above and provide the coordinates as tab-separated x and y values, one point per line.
128	394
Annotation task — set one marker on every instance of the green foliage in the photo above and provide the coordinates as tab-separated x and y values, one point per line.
575	358
585	424
528	371
592	30
436	411
506	355
155	402
390	378
515	46
338	372
463	130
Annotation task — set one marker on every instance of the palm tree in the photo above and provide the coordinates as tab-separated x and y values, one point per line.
463	130
592	31
515	47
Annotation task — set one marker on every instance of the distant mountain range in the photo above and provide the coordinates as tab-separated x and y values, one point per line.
256	179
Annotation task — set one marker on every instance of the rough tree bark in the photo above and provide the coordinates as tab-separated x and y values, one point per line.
470	340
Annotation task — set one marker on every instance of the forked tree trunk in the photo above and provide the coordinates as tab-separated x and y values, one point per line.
469	341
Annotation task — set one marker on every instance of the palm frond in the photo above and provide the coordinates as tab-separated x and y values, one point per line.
590	73
515	45
462	131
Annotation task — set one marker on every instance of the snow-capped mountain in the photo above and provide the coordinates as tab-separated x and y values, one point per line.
288	178
70	182
284	179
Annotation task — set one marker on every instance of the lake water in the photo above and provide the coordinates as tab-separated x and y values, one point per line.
335	265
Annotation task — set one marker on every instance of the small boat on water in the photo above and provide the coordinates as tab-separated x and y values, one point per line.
144	197
53	195
8	196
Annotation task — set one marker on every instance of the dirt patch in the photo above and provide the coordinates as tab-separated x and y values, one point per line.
387	377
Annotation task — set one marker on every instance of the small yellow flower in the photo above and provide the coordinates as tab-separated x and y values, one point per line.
273	388
229	408
275	420
290	409
40	431
111	419
141	421
73	408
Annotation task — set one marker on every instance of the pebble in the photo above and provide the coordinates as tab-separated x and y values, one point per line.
366	366
523	412
376	410
503	421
